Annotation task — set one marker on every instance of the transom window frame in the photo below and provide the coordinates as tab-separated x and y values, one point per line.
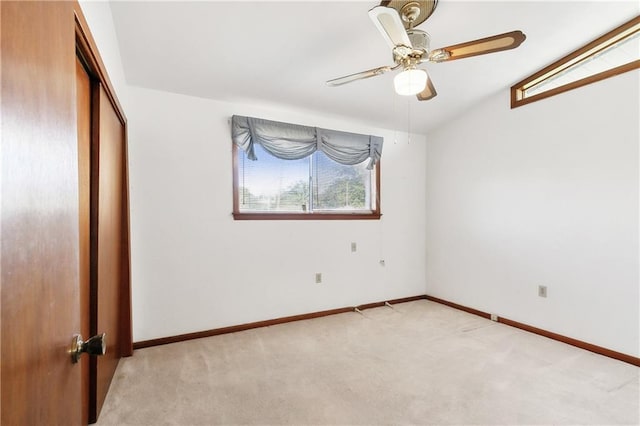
584	53
309	215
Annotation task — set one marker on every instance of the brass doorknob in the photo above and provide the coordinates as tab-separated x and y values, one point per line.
96	345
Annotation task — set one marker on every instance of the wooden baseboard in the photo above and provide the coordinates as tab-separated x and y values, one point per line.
564	339
235	328
267	323
459	307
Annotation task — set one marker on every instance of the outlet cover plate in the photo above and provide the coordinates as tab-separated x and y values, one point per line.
542	290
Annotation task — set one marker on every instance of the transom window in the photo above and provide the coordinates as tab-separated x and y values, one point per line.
614	53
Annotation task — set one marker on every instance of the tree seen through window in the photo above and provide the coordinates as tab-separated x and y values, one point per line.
315	183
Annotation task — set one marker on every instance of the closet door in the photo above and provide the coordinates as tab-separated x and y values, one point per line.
110	293
83	96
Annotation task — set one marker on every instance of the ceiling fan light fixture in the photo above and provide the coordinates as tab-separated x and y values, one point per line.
410	82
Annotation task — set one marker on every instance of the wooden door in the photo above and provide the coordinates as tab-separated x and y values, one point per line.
39	216
83	96
105	208
110	247
47	227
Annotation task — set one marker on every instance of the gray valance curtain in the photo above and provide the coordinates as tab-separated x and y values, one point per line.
292	141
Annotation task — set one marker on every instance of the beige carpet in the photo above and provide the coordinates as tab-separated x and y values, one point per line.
420	363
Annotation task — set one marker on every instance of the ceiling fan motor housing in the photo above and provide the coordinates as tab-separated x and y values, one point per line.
419	40
409	57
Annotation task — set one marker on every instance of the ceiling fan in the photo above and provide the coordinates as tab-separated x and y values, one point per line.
396	19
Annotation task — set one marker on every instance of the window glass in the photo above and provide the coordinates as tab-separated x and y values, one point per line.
623	52
340	187
312	185
614	53
271	184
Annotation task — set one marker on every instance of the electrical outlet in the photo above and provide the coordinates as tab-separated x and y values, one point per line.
354	247
318	277
494	317
542	290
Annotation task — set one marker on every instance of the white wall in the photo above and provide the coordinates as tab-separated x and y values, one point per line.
195	268
545	194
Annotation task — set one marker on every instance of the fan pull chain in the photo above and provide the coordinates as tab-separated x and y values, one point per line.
408	123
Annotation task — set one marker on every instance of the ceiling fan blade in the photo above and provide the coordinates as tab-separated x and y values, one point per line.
359	76
388	22
429	92
481	46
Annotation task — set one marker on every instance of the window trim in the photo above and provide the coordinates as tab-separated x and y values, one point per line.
517	90
238	215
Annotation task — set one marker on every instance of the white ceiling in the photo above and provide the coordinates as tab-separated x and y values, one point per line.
281	53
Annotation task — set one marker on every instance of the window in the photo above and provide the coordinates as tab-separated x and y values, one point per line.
614	53
311	184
